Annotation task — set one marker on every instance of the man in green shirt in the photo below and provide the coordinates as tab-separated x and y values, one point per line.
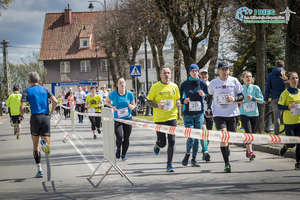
14	103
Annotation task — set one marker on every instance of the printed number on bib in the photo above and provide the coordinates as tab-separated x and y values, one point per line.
123	112
195	106
221	99
168	104
296	111
249	107
91	110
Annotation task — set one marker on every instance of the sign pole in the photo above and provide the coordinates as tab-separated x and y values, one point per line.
136	90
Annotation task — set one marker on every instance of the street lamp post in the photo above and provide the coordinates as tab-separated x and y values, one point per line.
146	70
97	64
146	63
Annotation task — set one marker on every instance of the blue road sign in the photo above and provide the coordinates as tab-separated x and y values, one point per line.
135	70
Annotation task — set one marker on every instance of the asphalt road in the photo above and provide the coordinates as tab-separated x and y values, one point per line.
267	177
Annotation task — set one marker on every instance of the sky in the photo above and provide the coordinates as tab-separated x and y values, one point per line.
22	24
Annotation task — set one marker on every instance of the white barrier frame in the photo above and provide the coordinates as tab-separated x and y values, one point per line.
108	148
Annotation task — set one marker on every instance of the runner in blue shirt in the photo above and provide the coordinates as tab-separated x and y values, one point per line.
38	96
122	102
249	110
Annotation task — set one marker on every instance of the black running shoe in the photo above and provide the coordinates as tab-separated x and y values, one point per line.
283	150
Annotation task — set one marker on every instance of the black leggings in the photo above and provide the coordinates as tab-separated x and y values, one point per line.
162	141
95	122
209	123
249	123
80	108
122	132
293	130
66	111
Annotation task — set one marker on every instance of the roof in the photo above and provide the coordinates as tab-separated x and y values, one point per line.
60	41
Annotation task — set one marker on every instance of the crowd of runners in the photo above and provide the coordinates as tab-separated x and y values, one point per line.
221	102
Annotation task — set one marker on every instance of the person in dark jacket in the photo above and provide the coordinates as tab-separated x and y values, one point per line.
192	94
275	85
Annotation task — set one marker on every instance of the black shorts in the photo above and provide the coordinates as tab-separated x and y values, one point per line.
230	123
40	125
15	119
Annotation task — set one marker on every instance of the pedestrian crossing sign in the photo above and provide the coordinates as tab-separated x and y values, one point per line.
135	71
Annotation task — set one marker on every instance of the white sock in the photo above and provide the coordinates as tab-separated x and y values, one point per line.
39	166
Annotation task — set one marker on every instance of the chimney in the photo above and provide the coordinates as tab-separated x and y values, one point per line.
68	15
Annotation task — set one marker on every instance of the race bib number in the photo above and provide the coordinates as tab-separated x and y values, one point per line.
91	110
296	111
195	106
123	112
168	104
221	99
249	107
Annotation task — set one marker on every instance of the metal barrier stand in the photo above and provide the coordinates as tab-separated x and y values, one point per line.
109	148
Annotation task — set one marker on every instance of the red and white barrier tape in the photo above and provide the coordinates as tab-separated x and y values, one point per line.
217	136
212	135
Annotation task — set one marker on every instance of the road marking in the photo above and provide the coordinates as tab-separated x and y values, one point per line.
79	152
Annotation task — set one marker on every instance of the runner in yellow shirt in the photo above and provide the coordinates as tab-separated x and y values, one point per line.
14	103
164	97
289	102
93	105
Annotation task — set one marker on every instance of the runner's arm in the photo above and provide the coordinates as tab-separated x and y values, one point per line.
281	107
239	97
54	104
151	103
109	104
22	108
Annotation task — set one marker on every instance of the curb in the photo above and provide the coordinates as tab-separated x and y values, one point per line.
272	149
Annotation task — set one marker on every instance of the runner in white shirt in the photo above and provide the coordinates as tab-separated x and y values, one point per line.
227	92
103	93
80	102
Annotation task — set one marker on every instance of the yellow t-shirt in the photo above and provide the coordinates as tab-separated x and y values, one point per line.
93	103
14	103
285	99
168	94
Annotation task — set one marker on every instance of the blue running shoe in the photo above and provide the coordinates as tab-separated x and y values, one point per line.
195	163
124	158
170	168
45	147
118	155
39	174
156	149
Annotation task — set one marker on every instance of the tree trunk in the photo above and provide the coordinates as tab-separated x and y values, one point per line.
113	73
293	38
154	58
177	64
260	68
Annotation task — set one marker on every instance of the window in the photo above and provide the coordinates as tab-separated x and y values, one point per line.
65	67
85	66
84	42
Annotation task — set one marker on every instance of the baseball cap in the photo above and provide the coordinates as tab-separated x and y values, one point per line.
203	70
222	65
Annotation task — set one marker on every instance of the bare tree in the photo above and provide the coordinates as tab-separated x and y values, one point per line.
119	35
190	22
